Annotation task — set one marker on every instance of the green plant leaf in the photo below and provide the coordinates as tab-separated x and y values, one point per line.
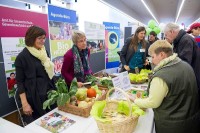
123	107
48	103
52	93
62	99
92	79
74	85
60	95
64	88
61	86
107	82
72	93
52	97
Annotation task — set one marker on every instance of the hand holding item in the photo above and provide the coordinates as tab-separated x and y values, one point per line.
27	109
80	84
132	97
146	62
127	68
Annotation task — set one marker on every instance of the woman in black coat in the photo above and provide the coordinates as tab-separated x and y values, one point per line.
34	72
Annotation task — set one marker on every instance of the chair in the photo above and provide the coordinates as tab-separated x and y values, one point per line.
19	105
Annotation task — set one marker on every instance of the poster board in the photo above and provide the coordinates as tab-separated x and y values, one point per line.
14	24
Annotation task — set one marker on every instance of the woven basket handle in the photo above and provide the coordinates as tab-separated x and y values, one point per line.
125	94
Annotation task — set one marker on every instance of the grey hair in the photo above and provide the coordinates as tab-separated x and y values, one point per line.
76	35
171	26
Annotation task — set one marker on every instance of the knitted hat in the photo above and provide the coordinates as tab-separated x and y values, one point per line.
193	26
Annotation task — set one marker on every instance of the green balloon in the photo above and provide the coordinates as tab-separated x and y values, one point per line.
157	30
148	30
151	24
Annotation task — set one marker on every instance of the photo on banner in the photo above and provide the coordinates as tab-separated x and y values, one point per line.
95	34
112	39
60	40
13	29
62	22
10	52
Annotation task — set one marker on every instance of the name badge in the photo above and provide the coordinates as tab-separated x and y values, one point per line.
142	50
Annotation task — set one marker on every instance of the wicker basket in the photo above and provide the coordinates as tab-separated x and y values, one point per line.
101	87
104	74
125	125
139	82
84	112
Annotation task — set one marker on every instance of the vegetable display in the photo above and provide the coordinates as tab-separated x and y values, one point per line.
142	77
61	95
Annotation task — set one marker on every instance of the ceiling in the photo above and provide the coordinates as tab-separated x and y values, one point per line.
164	10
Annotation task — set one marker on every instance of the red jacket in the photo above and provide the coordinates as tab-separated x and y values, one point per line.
67	70
11	83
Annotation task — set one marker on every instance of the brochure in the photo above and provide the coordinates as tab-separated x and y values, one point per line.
55	122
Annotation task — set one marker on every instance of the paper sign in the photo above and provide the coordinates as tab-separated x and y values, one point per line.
122	81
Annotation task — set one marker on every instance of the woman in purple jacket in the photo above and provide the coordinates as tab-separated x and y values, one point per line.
76	60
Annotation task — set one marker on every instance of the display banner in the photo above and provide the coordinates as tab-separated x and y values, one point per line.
14	24
95	34
112	37
61	14
61	23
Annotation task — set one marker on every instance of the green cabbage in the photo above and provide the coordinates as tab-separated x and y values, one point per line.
81	94
123	108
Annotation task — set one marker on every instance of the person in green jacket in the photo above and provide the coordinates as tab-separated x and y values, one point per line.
172	92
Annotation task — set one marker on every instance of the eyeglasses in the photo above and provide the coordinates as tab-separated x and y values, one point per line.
82	40
41	38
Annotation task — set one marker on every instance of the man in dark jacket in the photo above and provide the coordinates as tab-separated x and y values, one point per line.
185	46
152	38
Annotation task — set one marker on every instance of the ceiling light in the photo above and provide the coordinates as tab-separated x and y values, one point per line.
149	11
28	2
22	1
179	11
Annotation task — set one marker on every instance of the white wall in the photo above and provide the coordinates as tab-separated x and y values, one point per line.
89	10
98	12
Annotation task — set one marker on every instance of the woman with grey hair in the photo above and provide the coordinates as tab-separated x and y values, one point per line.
76	60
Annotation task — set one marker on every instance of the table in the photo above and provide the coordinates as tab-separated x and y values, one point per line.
88	125
9	127
80	126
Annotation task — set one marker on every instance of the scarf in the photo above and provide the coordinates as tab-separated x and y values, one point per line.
80	66
45	60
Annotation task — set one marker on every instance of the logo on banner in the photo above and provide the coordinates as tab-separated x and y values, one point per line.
113	40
